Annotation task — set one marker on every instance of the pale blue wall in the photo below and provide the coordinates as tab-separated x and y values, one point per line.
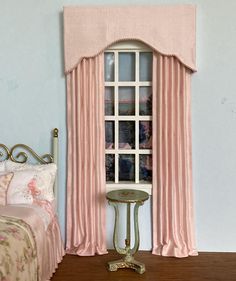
32	96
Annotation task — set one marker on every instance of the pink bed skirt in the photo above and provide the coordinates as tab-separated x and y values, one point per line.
53	250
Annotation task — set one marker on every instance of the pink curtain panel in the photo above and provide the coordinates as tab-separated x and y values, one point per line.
173	220
86	185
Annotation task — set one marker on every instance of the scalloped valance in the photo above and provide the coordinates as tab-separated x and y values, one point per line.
168	29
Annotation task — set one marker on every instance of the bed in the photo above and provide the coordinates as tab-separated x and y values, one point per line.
30	240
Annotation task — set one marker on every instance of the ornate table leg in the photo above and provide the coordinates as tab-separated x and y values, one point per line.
128	260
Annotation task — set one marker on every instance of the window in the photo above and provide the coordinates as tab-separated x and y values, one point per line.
128	116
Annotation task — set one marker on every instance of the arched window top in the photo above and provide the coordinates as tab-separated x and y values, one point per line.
130	45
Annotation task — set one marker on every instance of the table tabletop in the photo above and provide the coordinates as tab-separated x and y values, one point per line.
127	196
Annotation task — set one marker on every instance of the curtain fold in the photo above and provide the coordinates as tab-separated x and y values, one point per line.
173	219
86	159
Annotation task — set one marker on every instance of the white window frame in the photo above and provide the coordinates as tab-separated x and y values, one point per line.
134	47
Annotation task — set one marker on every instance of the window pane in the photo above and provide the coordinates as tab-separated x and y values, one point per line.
109	100
127	134
126	167
110	135
110	167
145	134
145	168
126	100
145	66
109	66
126	66
145	100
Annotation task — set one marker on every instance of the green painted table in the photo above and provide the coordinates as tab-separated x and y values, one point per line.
127	196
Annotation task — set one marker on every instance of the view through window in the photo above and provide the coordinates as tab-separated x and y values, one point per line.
128	115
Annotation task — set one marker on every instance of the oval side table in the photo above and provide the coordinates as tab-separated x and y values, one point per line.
127	196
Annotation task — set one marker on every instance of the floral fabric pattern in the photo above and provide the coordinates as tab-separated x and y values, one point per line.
18	254
35	193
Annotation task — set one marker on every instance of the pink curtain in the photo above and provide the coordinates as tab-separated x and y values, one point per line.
86	159
173	221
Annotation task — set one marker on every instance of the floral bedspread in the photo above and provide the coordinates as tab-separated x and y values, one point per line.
18	254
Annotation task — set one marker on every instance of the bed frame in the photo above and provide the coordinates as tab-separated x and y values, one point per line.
21	153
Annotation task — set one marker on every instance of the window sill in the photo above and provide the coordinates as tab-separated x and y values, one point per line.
147	187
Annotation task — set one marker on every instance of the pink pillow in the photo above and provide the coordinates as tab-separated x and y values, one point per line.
29	186
4	184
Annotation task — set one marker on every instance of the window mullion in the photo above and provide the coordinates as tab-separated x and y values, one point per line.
116	118
136	117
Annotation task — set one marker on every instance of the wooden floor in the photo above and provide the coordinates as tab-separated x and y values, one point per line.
206	266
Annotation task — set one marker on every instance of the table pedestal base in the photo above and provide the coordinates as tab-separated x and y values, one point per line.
127	196
122	263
